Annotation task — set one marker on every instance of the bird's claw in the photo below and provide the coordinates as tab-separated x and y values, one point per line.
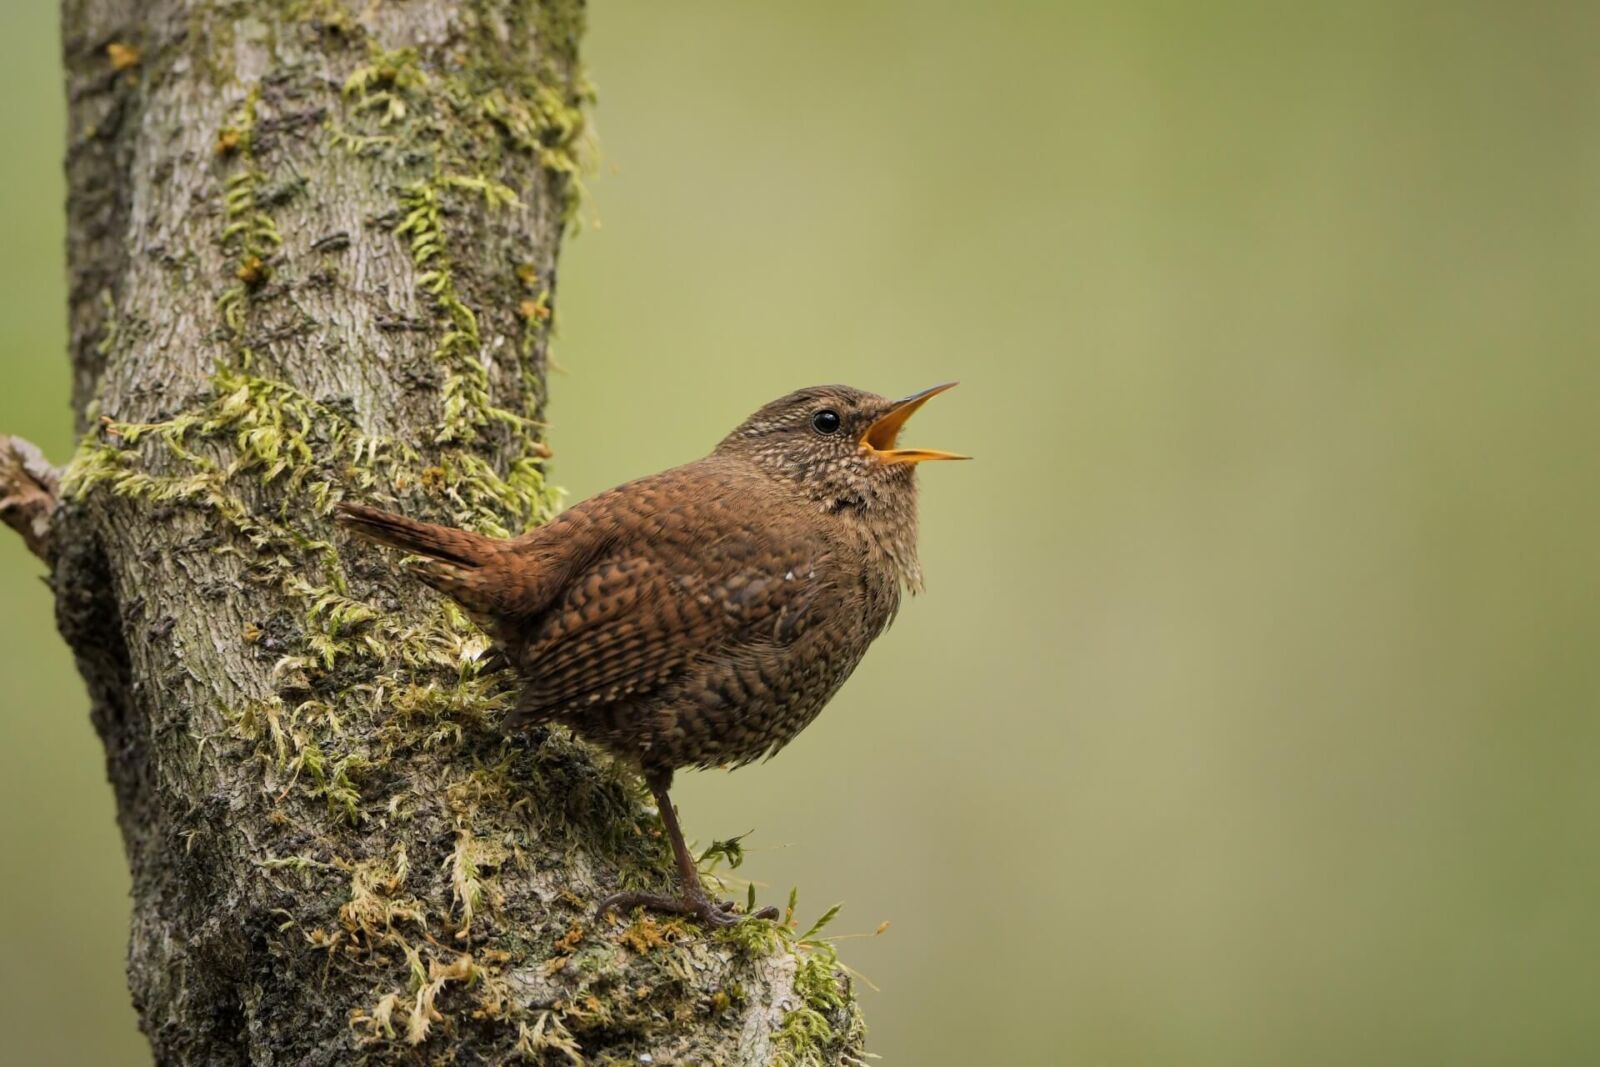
713	913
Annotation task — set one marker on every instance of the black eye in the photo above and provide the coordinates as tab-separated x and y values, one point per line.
825	421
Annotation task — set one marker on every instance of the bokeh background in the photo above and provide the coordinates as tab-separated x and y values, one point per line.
1251	714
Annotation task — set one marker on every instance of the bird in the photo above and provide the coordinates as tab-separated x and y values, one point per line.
704	615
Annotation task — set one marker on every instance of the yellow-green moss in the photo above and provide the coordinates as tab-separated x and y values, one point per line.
467	406
249	233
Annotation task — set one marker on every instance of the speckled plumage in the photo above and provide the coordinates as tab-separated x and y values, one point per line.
704	615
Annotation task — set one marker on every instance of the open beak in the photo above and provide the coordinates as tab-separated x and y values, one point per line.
881	436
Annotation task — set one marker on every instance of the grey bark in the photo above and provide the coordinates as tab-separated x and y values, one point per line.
312	251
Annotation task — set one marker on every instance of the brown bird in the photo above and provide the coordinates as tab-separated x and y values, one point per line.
704	615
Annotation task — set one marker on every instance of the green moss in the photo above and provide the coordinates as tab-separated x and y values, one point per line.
807	1034
825	1019
110	328
458	126
493	104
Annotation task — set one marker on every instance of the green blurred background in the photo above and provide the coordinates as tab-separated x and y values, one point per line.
1250	716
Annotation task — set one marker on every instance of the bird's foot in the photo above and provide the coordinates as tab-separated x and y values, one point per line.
710	912
494	661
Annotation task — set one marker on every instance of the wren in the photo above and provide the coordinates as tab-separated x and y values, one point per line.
701	616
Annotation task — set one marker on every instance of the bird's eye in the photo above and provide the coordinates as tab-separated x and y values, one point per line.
825	421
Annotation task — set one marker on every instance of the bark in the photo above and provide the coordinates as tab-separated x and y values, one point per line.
312	251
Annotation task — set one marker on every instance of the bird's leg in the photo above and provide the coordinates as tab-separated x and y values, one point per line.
694	901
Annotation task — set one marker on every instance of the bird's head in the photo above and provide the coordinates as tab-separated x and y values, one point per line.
841	445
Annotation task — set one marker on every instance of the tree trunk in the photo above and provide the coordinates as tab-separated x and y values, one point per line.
312	250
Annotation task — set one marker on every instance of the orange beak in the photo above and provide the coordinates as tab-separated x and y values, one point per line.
881	436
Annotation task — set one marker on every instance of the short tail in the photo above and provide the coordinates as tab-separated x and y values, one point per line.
459	547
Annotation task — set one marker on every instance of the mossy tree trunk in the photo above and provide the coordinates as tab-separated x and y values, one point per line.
312	250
